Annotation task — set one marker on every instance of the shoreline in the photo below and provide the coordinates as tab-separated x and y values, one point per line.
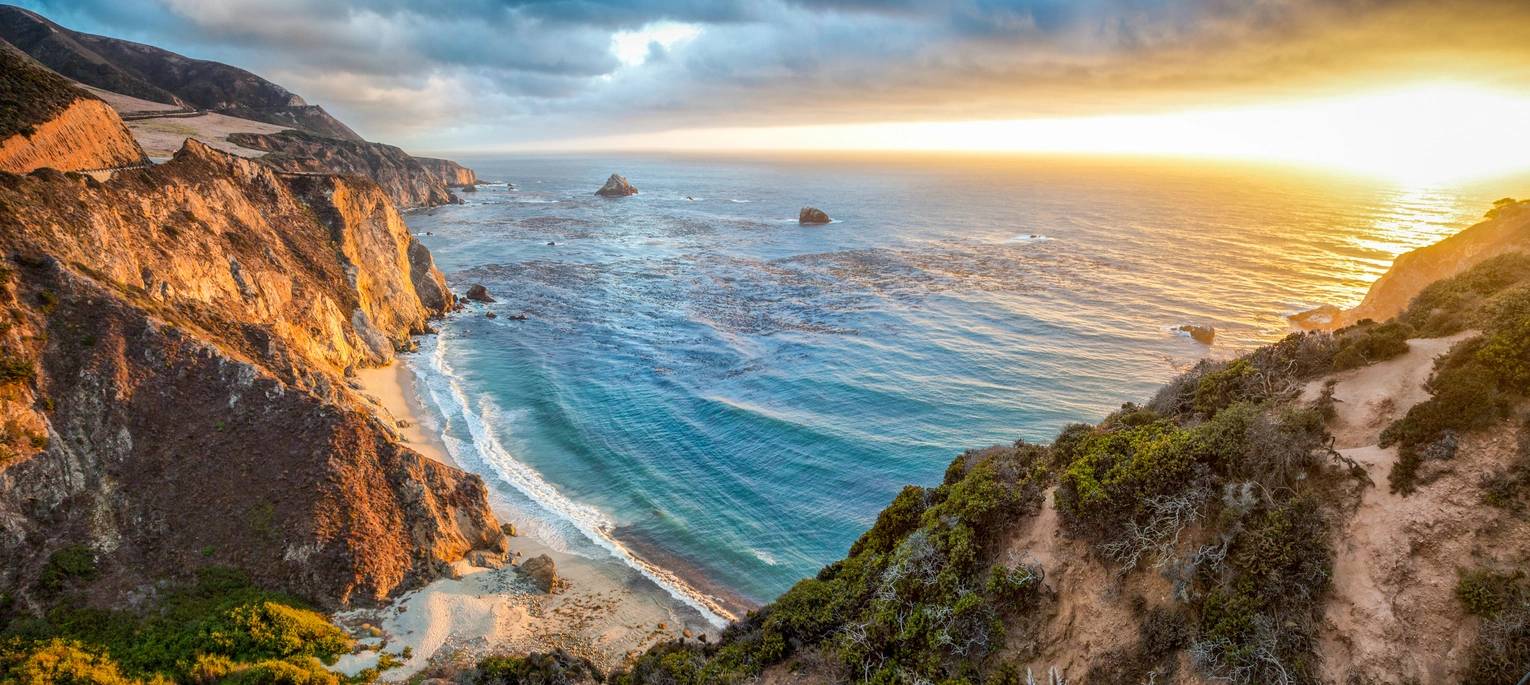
608	612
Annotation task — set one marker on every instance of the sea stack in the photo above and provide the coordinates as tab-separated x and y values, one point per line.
478	293
616	186
812	215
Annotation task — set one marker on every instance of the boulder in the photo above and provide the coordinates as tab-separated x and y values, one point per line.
812	215
486	559
508	529
1319	318
490	315
1201	334
542	572
616	186
478	293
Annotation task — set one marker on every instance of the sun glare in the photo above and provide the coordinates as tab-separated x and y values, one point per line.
633	47
1415	135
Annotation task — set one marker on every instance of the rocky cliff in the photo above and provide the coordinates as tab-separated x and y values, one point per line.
150	73
449	173
173	392
1506	228
408	182
46	122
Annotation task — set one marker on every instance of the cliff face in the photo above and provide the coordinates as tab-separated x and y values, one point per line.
1506	228
47	122
150	73
449	173
406	181
173	397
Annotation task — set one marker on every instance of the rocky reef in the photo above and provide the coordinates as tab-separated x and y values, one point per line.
406	181
175	348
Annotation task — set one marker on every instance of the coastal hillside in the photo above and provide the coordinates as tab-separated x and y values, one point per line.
168	97
157	75
1343	507
449	173
1506	227
46	122
174	395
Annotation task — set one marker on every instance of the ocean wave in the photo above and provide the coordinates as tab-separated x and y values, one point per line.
1028	238
587	520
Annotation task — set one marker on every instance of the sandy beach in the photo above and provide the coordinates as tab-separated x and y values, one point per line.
392	393
606	612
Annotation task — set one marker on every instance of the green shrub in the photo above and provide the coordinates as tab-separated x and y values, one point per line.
921	595
1464	301
14	369
1370	343
1501	653
217	627
1473	386
1257	623
1486	593
272	630
557	668
58	661
76	562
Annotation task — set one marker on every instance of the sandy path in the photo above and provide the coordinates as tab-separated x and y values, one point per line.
1392	616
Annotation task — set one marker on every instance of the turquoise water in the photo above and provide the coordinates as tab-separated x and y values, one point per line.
707	391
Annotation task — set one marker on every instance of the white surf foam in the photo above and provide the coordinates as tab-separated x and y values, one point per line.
450	399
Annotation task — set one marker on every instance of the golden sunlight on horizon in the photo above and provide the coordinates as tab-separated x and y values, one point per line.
1418	134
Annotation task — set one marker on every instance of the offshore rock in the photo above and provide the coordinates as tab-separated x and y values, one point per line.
616	186
812	215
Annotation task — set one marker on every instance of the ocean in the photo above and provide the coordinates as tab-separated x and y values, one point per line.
710	393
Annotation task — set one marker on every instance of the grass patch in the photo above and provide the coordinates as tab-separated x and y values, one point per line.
221	628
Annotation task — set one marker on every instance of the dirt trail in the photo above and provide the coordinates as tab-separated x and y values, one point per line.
1393	616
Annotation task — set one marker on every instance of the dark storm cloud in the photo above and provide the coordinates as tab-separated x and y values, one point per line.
451	74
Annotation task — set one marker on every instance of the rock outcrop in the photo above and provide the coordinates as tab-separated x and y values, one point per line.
184	331
54	124
404	178
150	73
616	186
449	173
812	215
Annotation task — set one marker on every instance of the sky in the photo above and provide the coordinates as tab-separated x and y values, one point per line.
1337	82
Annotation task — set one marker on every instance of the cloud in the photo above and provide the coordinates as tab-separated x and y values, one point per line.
450	75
